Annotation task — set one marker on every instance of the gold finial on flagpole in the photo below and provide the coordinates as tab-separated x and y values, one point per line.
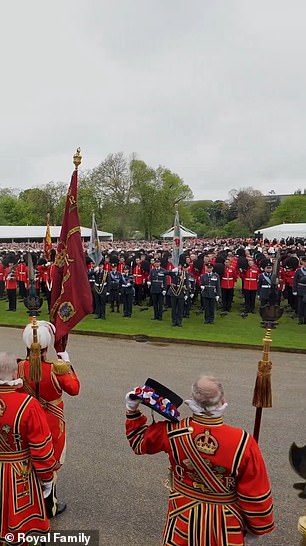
77	158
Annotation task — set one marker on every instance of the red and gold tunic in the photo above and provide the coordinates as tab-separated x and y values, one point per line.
250	278
26	457
229	278
220	488
10	278
56	378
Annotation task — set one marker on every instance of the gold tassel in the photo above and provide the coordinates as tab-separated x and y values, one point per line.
35	362
35	355
262	397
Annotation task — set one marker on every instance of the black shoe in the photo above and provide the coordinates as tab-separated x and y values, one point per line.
61	507
299	485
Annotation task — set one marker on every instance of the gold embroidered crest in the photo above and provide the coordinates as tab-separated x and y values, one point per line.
66	311
206	443
2	407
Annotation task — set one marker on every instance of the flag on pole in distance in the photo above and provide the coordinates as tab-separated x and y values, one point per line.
177	244
48	240
94	251
71	298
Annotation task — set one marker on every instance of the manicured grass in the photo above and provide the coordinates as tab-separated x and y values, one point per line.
231	329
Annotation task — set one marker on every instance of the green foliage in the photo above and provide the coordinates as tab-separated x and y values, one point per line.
250	208
292	209
130	197
234	228
12	211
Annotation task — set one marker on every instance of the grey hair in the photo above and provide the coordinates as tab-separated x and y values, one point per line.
207	392
8	366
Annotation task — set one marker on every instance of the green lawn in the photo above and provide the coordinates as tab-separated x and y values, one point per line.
230	329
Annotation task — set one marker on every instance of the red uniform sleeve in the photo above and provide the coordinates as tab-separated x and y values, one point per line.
254	492
69	382
40	442
144	438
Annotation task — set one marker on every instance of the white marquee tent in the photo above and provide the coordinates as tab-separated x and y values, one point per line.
185	232
282	231
37	233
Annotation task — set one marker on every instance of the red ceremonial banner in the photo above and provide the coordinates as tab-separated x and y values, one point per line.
71	298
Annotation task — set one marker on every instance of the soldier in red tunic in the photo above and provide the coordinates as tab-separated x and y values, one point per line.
26	457
219	487
138	281
22	277
47	381
250	283
228	281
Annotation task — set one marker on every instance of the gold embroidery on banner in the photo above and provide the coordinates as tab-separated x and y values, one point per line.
206	443
2	407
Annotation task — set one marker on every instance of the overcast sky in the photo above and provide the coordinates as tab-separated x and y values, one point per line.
215	90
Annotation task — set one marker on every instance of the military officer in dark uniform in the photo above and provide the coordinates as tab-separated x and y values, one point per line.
264	284
157	282
114	296
127	291
211	291
191	291
299	290
178	292
101	289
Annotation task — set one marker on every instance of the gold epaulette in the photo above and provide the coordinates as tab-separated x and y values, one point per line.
60	367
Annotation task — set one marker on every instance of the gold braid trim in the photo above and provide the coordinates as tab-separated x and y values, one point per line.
177	289
60	367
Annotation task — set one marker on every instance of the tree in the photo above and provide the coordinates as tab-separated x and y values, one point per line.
43	200
199	211
12	211
218	213
250	207
113	182
172	192
292	209
145	194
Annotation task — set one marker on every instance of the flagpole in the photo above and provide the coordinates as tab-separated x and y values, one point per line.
71	297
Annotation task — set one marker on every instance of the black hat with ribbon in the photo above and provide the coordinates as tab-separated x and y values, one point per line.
159	398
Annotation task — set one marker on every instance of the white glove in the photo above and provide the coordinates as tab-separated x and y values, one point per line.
294	293
64	356
107	293
96	269
130	404
185	298
202	287
164	292
128	284
175	269
217	298
191	296
47	488
149	283
258	297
